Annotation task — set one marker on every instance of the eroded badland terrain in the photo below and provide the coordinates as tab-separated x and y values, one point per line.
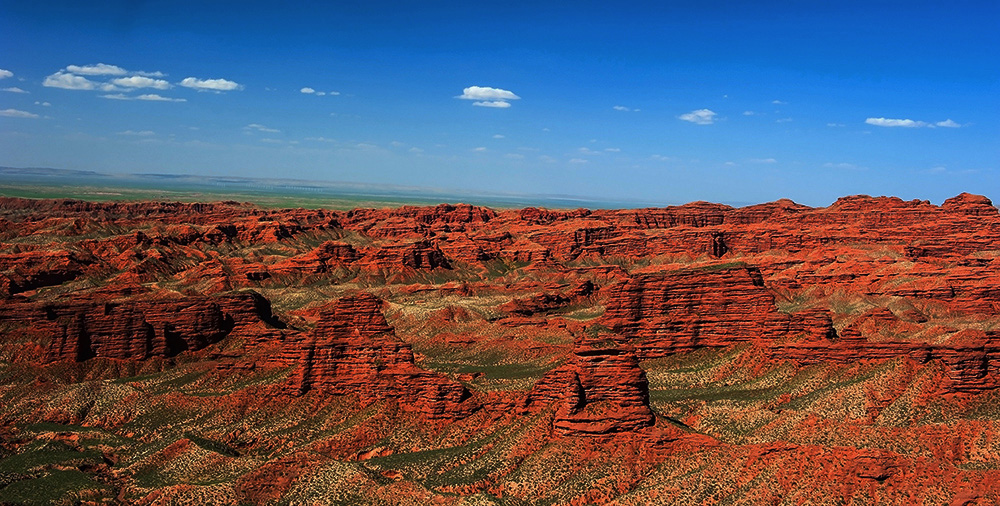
162	353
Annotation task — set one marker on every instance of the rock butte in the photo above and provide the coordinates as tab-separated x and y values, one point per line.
223	353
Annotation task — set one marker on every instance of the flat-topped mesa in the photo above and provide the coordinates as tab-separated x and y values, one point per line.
82	329
717	306
353	350
600	390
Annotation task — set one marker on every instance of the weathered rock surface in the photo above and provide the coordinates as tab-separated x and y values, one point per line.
354	351
687	310
137	329
599	390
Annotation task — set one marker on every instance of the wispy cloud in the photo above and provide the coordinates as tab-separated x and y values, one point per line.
909	123
312	91
4	74
624	109
141	82
140	133
210	84
498	136
14	113
762	160
492	103
261	128
43	104
749	113
778	102
152	97
699	117
835	125
157	98
784	120
68	82
97	69
889	122
14	89
842	166
577	161
486	96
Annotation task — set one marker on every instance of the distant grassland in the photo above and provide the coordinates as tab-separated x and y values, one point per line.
263	199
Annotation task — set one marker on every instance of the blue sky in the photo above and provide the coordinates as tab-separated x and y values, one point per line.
663	103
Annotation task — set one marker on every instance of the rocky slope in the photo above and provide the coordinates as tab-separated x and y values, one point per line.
166	353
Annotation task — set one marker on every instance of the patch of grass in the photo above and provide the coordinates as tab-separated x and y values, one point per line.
56	487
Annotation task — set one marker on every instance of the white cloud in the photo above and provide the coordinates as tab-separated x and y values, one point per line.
43	104
152	97
261	128
624	109
577	160
210	84
699	117
661	158
68	82
110	87
271	141
909	123
14	113
4	74
778	102
493	103
157	98
498	136
99	69
416	150
479	149
835	125
783	120
888	122
588	152
748	113
307	90
612	150
141	82
14	89
140	133
762	160
487	93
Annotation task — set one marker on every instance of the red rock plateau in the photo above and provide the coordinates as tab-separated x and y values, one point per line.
164	353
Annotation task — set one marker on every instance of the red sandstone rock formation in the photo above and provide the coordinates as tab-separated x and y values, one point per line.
600	390
354	351
714	307
137	329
